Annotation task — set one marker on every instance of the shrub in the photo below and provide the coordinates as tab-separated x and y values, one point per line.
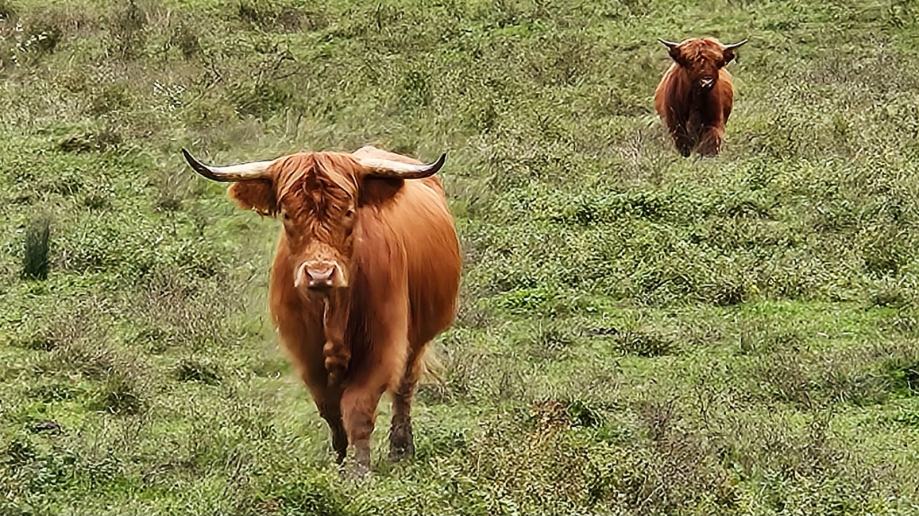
36	249
7	10
279	16
93	141
643	343
186	40
126	28
190	370
120	396
41	38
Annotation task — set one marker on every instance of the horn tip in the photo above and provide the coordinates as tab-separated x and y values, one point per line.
666	43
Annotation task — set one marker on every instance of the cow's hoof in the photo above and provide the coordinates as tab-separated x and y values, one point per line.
401	446
355	471
401	453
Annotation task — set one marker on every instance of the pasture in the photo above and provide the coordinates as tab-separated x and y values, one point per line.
639	333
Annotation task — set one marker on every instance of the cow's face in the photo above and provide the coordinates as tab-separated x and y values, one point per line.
319	198
318	205
702	59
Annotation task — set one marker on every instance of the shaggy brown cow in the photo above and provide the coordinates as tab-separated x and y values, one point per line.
365	275
695	96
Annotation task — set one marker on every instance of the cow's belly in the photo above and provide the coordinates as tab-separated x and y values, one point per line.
433	262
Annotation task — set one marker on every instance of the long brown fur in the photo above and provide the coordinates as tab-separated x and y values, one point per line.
400	256
696	118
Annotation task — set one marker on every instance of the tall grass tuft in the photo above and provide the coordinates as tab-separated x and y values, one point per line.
36	249
126	27
7	10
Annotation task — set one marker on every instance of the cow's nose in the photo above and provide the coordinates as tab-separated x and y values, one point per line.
706	83
320	276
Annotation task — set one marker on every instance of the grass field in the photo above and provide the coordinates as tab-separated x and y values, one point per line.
639	333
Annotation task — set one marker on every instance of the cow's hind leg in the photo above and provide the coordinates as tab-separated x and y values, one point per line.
401	441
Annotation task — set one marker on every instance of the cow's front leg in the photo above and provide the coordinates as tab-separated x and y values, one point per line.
710	141
328	401
682	140
359	411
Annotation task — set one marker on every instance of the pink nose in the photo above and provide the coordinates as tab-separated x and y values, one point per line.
320	275
706	83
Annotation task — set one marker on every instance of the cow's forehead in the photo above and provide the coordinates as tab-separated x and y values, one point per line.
703	49
332	173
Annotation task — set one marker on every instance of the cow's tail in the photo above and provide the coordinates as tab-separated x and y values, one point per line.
432	367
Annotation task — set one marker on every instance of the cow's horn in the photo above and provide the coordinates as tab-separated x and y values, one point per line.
241	172
668	44
397	169
732	46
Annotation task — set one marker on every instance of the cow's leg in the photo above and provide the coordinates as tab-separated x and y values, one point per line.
401	441
328	401
710	142
330	410
359	406
683	141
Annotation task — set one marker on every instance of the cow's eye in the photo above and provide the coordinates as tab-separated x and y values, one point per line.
285	215
350	213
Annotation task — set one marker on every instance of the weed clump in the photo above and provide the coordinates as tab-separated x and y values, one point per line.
7	10
197	371
643	343
96	141
42	38
126	28
274	15
37	247
120	395
186	40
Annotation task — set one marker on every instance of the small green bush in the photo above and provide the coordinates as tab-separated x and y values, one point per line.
190	370
36	249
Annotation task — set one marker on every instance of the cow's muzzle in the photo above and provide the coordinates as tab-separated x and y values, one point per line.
319	276
706	83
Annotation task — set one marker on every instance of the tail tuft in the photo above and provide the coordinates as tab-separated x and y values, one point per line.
432	368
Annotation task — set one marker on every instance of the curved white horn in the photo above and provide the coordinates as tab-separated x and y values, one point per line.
668	44
735	45
241	172
397	169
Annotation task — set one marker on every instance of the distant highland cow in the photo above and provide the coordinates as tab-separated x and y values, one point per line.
695	97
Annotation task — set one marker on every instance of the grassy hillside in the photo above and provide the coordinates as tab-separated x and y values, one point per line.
639	333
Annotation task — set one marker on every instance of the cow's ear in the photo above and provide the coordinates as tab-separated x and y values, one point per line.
727	56
257	195
377	191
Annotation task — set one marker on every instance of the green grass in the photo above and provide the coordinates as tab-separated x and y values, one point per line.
639	333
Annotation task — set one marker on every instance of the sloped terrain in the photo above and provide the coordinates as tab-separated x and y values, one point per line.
639	333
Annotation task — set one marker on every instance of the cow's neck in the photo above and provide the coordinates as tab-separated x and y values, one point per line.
699	97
